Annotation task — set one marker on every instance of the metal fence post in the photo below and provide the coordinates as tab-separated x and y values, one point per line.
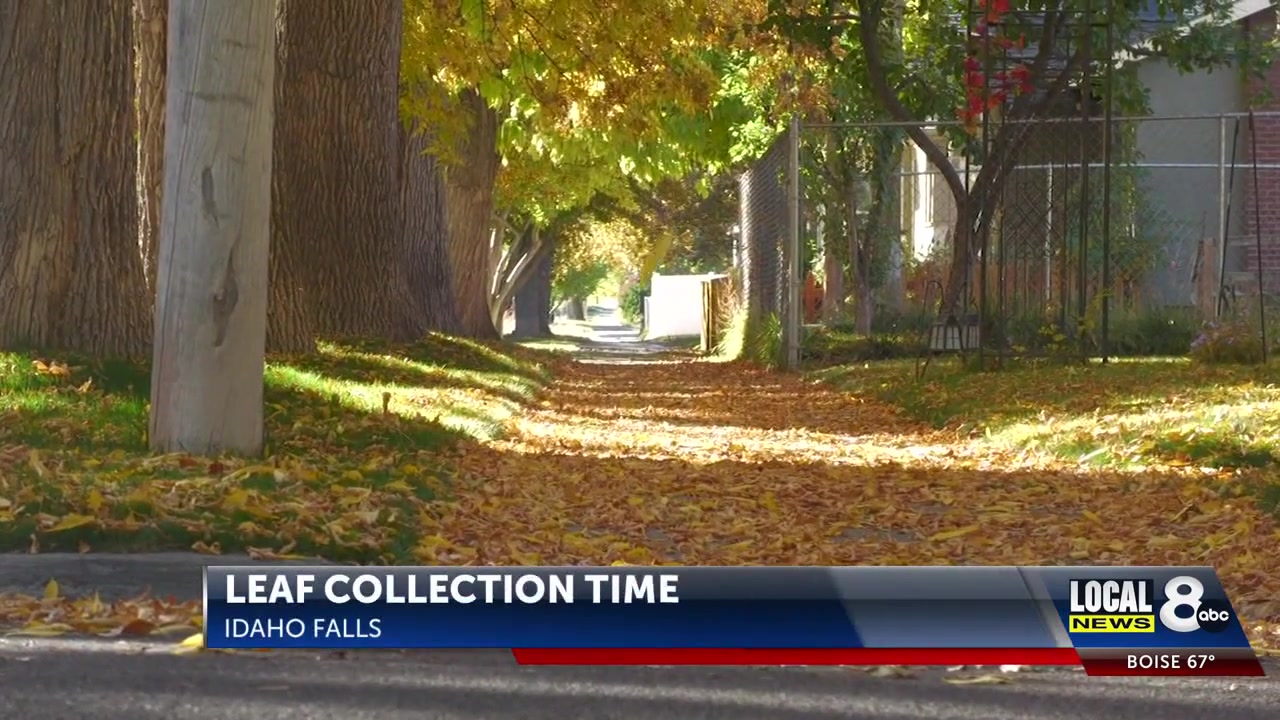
793	316
1224	202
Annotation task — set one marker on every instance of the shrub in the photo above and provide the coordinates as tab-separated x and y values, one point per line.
1157	331
632	303
1227	342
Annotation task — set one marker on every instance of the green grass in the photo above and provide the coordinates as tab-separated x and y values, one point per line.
1128	413
343	477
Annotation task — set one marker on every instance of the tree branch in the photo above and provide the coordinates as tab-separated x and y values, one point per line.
869	11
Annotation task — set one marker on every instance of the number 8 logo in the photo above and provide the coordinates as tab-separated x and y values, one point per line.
1177	599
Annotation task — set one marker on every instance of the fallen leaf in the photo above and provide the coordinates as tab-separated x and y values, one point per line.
42	630
192	644
72	521
977	680
952	534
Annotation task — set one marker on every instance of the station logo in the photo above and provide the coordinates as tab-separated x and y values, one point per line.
1112	606
1128	606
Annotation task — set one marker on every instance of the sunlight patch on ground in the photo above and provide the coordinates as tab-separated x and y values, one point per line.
690	464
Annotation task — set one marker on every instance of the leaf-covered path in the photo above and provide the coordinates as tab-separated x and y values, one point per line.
677	461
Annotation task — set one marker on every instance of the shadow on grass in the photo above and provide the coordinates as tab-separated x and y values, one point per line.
343	478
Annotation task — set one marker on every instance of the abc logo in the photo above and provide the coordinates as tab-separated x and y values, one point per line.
1186	610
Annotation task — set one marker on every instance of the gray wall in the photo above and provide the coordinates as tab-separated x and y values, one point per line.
1182	205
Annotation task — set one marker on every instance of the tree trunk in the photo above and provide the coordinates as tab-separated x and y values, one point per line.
338	158
833	236
469	199
291	325
859	271
533	301
150	33
426	235
575	309
70	274
832	267
211	300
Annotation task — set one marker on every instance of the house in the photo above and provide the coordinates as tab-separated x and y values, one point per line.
1210	202
1185	195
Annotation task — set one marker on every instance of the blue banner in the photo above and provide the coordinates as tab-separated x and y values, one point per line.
718	607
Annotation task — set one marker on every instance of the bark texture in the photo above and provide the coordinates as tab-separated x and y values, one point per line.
426	235
151	38
469	193
70	271
211	300
337	258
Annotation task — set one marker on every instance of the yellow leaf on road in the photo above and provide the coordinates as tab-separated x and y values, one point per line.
193	644
952	534
51	590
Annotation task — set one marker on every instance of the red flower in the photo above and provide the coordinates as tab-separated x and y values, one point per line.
1021	75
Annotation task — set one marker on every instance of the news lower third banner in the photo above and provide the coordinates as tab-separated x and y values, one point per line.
1111	620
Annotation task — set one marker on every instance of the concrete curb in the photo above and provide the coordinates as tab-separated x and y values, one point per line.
117	575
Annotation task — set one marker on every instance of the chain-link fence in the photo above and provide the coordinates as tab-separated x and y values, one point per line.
766	257
1167	215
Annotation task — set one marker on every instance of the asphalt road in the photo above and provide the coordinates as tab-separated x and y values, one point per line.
66	678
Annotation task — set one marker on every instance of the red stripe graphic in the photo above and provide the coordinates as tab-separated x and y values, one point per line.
765	656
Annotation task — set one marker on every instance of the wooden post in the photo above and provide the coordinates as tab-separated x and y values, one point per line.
211	292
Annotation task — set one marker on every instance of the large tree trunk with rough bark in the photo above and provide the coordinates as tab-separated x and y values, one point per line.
151	38
211	295
469	193
426	234
70	272
337	170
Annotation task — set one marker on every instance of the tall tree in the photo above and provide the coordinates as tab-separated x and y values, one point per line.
150	33
70	275
211	301
338	224
426	233
469	198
